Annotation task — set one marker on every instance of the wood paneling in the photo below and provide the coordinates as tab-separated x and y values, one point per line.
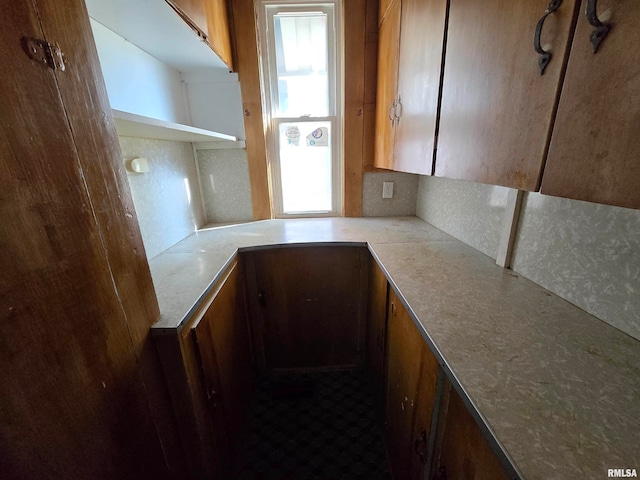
221	337
354	13
82	393
464	451
219	32
388	51
249	75
497	110
411	390
421	46
312	306
377	329
370	83
595	144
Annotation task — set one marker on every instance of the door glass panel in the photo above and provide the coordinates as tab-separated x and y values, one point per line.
301	57
305	166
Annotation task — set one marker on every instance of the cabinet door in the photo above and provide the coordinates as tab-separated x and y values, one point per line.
421	43
464	452
411	390
388	46
497	110
376	328
595	145
218	28
222	346
311	306
194	12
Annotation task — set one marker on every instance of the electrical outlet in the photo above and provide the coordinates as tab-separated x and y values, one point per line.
387	189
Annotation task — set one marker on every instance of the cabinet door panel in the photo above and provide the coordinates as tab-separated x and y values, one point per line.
194	12
411	389
388	46
376	328
421	43
465	452
222	344
497	109
218	28
312	306
596	138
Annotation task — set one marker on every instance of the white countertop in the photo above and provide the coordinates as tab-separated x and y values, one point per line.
558	388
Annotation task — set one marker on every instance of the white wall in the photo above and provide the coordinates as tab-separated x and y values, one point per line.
215	103
586	253
136	81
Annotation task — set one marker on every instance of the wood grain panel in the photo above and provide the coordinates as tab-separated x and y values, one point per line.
83	91
354	13
383	10
411	389
218	28
376	329
313	306
194	13
497	110
595	144
75	404
465	453
222	341
249	75
421	47
388	51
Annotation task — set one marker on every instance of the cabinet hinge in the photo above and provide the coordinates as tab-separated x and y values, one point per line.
43	52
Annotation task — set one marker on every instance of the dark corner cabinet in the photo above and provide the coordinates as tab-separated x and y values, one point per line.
314	308
569	129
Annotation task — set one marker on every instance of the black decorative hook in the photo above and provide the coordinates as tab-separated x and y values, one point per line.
601	30
545	57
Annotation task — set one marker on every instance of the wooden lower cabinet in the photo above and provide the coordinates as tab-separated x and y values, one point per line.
376	330
307	306
462	451
209	370
411	393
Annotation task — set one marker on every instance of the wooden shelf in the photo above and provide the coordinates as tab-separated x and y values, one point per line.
132	125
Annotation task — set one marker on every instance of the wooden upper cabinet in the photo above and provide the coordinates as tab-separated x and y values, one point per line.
595	147
219	32
409	71
421	43
497	109
194	12
388	49
210	20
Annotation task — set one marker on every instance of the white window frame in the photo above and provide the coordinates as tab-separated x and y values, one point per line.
268	73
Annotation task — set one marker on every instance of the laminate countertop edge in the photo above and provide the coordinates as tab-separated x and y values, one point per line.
556	388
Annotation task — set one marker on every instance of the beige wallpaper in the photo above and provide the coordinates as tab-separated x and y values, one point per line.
471	212
167	198
405	190
225	185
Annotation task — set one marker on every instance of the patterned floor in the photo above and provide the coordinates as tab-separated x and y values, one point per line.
320	426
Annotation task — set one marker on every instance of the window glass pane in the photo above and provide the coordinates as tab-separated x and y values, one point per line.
305	166
301	58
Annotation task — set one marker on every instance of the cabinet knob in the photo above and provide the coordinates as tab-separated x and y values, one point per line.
545	57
